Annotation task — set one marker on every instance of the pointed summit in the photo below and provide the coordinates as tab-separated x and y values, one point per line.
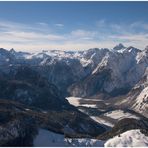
119	47
12	50
146	48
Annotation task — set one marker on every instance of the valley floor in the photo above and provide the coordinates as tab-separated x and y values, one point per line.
109	117
100	113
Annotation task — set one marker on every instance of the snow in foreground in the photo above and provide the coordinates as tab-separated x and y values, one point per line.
46	138
132	138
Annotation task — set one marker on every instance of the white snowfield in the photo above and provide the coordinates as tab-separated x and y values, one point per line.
102	121
120	114
132	138
47	138
108	118
84	142
76	102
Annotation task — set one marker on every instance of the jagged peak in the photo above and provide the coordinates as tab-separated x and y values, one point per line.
146	48
3	51
12	50
132	49
119	47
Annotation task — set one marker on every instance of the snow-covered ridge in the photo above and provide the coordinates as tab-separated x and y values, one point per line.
132	138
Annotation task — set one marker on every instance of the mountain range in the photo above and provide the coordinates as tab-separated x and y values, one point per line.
34	88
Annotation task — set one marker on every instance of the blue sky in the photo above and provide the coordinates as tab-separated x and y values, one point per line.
72	25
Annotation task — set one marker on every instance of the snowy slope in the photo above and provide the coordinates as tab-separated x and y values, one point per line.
47	138
102	121
132	138
141	104
84	142
76	102
120	114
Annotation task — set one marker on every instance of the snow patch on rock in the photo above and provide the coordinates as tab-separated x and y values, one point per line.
120	114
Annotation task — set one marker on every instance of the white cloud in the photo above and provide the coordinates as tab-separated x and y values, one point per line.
42	24
137	40
29	36
131	37
101	23
59	25
42	36
140	25
83	33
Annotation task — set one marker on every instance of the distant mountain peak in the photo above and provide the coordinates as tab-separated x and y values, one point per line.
146	48
119	47
12	50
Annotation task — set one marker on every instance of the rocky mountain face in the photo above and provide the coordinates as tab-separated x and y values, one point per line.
114	72
120	75
28	87
136	98
84	73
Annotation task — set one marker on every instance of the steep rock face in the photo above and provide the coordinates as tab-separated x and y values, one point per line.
16	129
29	87
92	57
119	67
141	102
137	71
63	73
137	98
90	85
